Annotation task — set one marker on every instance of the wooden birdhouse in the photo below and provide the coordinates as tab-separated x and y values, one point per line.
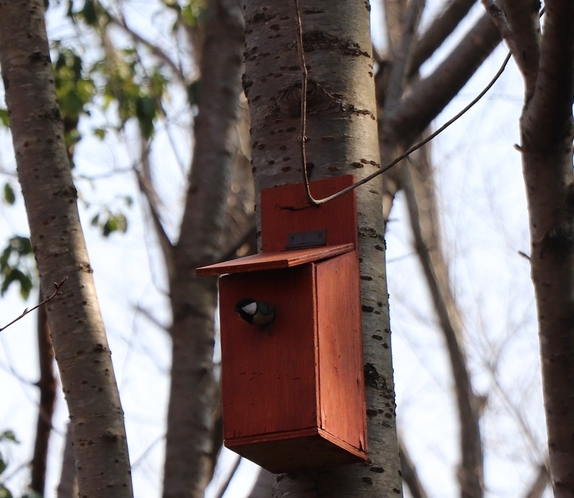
293	395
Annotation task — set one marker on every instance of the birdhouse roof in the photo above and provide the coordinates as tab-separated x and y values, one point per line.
275	260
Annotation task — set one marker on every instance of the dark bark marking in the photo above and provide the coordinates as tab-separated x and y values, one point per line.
319	40
373	379
368	232
318	99
557	242
261	17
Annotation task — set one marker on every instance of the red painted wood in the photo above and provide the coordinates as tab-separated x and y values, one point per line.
338	217
299	450
294	398
268	381
340	350
274	260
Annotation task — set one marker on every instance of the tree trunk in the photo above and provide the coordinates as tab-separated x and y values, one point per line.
47	385
547	65
68	485
547	133
341	138
74	318
190	451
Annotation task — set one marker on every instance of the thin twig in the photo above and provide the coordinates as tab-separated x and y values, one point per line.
57	292
304	80
418	145
223	488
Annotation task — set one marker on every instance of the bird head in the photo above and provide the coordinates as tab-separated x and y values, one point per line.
247	306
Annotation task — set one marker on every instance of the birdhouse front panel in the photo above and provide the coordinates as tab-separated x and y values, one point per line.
268	378
293	394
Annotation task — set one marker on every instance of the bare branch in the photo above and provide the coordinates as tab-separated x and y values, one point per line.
57	292
243	239
68	485
153	48
402	55
442	26
409	472
539	483
47	385
519	26
421	198
429	96
394	15
223	488
263	486
548	115
146	187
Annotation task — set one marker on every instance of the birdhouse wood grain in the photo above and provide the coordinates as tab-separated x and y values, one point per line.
293	395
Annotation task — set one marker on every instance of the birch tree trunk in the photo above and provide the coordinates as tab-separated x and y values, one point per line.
547	65
341	139
74	318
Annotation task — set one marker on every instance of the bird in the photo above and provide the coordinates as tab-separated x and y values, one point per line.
256	312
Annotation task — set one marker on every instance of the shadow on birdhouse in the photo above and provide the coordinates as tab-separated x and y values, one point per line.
294	398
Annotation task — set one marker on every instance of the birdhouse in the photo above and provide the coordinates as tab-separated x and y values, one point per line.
293	393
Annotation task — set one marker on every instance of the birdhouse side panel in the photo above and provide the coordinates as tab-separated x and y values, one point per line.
340	350
268	375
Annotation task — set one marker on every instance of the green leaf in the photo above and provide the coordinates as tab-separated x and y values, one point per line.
100	133
9	436
15	264
89	13
193	92
146	112
26	285
16	275
4	117
115	223
5	492
9	196
22	245
194	13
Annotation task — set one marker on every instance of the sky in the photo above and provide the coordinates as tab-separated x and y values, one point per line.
485	225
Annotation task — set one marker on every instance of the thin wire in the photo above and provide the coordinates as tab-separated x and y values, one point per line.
304	81
418	145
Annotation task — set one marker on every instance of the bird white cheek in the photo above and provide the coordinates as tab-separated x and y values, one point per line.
250	308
